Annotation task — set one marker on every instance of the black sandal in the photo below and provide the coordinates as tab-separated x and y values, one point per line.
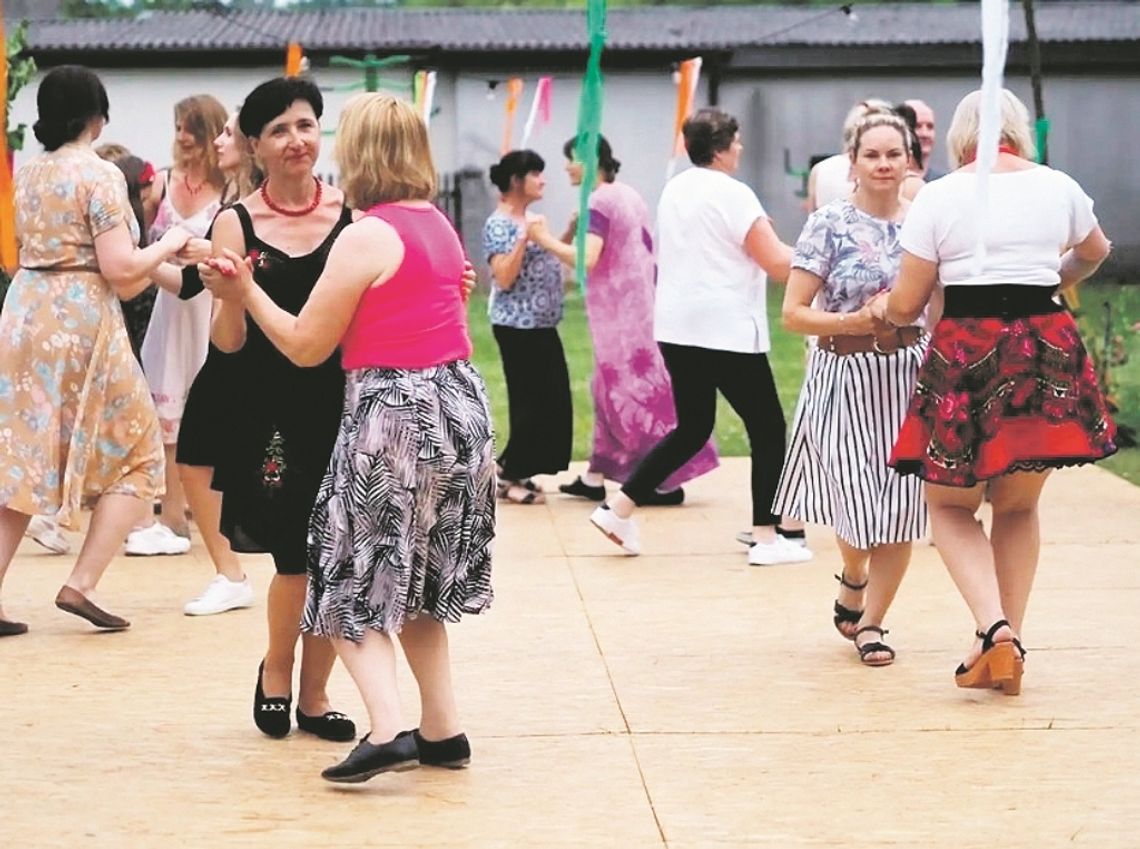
999	667
845	615
582	489
875	647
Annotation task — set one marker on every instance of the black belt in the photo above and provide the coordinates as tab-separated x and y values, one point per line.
1006	301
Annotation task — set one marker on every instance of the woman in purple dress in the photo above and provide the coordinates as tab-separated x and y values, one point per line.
633	399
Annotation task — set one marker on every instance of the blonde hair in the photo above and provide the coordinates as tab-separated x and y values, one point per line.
871	106
962	137
248	176
383	152
879	119
112	151
203	117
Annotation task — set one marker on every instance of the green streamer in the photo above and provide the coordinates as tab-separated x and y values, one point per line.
589	128
1042	128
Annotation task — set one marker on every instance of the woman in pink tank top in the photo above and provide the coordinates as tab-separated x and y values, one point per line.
401	531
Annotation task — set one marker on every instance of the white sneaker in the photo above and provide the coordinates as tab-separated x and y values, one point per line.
221	595
619	530
154	540
745	538
45	531
778	551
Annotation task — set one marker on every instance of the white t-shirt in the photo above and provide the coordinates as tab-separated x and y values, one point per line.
833	180
710	292
1031	218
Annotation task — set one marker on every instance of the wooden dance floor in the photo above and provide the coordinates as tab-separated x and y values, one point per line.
681	699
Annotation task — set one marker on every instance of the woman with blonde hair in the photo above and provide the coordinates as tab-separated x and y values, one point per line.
1007	391
188	195
860	376
400	538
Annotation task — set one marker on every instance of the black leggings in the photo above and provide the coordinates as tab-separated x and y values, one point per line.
747	384
538	398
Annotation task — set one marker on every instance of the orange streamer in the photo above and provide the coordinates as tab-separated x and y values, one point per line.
686	93
514	92
293	56
9	254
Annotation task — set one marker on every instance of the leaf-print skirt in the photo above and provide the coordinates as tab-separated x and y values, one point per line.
405	516
1003	393
76	417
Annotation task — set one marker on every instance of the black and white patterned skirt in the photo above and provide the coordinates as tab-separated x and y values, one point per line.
404	519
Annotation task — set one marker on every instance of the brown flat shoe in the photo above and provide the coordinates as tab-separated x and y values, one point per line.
75	602
9	628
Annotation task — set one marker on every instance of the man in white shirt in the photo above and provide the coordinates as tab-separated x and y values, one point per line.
924	129
715	243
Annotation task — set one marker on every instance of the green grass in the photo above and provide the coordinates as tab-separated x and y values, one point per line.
1124	382
787	359
787	364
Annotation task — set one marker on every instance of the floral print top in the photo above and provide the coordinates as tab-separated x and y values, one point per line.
535	300
855	255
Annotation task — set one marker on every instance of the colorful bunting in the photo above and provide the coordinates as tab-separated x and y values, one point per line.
423	93
294	60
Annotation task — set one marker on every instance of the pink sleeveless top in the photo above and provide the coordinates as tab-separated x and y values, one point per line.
417	319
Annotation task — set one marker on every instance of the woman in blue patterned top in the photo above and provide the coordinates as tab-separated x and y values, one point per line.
525	308
859	380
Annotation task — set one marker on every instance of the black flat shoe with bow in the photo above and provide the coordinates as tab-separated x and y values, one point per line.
332	725
368	760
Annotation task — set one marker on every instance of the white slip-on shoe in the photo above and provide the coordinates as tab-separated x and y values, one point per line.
745	538
776	552
619	530
221	595
155	540
46	532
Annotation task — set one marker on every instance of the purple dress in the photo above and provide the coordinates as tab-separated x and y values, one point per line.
633	397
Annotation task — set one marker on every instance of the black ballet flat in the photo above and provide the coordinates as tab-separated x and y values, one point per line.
368	760
582	489
271	716
452	753
332	725
672	498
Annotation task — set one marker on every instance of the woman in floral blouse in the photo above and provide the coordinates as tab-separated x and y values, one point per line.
76	418
859	380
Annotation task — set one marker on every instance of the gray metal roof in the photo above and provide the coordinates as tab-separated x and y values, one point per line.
652	28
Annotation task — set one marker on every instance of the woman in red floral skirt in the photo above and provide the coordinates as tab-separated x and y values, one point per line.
1007	391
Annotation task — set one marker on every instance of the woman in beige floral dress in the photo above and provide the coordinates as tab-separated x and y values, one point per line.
76	417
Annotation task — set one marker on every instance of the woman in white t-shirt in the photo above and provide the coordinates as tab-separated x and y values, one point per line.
1007	391
714	245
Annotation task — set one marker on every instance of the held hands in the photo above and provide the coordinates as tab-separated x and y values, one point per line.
537	229
228	277
175	239
871	318
194	251
468	281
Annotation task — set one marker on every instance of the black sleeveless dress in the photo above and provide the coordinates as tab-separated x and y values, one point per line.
284	417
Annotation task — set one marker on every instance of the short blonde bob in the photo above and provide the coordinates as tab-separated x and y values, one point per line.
962	137
383	152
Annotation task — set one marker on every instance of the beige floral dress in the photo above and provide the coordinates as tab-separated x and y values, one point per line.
76	417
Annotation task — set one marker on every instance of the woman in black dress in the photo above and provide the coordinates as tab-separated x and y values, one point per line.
282	424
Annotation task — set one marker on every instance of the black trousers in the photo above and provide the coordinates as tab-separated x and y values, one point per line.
538	395
747	384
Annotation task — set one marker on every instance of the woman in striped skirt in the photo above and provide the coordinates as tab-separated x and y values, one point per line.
859	381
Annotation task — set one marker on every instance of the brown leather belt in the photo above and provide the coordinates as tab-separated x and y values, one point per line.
884	343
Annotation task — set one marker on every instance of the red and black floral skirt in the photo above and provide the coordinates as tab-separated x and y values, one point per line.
1006	386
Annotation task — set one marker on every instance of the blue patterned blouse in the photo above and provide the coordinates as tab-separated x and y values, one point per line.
536	298
855	254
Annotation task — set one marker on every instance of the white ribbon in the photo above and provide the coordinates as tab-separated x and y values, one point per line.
995	45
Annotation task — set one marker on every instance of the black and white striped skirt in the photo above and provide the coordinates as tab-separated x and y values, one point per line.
404	519
848	416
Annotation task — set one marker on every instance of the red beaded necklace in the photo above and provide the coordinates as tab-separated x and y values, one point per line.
293	213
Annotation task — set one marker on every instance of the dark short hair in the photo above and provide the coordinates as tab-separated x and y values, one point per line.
273	97
910	117
68	98
606	162
708	132
517	163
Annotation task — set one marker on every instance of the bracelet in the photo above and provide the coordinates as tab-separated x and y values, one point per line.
842	321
